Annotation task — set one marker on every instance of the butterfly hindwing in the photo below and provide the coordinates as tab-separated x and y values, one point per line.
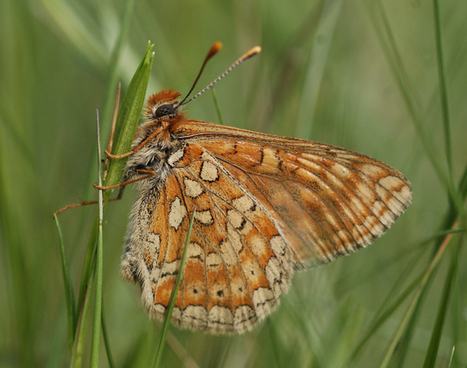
237	264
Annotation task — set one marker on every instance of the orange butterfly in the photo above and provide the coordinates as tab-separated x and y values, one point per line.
266	206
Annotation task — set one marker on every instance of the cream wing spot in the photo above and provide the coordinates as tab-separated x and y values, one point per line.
362	235
364	192
387	198
177	213
240	288
376	227
382	213
279	247
195	316
175	157
151	249
154	240
244	204
213	260
390	182
234	238
195	251
159	309
396	206
176	313
404	194
155	274
236	219
244	317
221	318
277	278
209	172
204	217
264	300
170	269
193	189
228	253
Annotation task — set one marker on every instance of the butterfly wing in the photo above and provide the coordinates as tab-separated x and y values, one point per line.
326	201
237	264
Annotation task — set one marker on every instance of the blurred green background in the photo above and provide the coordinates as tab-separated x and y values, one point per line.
358	74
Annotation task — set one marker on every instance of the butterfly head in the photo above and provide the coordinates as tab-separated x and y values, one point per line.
163	106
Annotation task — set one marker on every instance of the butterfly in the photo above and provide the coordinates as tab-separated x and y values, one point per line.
264	207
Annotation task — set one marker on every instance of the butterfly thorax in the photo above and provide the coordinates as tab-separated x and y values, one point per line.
160	145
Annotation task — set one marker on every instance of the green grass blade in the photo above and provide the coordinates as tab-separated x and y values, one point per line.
318	61
77	30
87	267
385	315
127	122
413	305
451	357
432	352
173	298
96	331
78	349
128	117
401	353
114	63
218	108
69	295
394	58
105	335
114	74
463	184
443	90
388	43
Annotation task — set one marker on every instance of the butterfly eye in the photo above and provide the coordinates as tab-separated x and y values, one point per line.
164	110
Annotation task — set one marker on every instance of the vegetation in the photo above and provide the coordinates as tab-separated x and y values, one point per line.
387	79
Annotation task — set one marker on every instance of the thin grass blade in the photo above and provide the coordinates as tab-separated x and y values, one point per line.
128	117
114	61
387	39
105	335
173	297
127	122
218	108
432	352
412	307
96	332
443	90
78	348
69	295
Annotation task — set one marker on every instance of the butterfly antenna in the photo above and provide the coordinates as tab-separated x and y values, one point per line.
250	53
213	51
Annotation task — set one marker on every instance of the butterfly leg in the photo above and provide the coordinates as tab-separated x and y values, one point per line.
86	203
151	173
117	198
138	147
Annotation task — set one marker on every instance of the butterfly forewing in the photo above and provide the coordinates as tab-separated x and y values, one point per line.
327	201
